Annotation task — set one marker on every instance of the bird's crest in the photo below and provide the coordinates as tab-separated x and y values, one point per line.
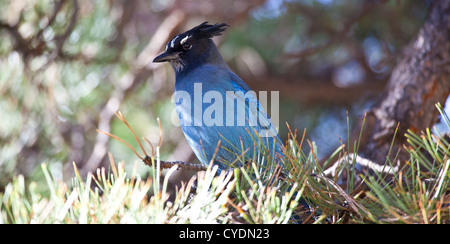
202	31
205	30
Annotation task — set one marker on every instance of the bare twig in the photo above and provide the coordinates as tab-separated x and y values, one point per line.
122	118
150	160
169	164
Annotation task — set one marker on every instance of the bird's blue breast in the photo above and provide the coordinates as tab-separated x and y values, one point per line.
213	104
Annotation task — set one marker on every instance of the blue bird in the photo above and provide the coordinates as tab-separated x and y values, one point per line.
213	104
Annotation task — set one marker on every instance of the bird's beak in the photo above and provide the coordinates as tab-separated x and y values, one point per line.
166	56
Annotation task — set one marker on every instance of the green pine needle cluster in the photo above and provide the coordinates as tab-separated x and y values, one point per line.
255	193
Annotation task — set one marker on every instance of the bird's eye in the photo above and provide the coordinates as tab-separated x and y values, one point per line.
186	45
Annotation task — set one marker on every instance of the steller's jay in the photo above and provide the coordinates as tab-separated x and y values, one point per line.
213	104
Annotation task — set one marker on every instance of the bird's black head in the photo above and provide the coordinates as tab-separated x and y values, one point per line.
193	47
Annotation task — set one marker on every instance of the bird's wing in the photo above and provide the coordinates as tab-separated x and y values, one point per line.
257	118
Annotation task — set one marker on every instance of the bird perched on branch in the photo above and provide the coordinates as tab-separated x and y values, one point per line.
214	105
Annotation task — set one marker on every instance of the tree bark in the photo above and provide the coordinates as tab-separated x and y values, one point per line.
419	81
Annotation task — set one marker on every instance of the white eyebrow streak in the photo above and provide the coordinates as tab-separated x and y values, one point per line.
184	39
172	43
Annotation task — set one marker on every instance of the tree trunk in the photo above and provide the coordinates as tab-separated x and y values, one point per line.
418	82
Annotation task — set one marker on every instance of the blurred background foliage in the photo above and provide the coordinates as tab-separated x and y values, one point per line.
68	65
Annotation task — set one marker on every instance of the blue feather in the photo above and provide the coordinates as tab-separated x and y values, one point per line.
234	137
205	91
